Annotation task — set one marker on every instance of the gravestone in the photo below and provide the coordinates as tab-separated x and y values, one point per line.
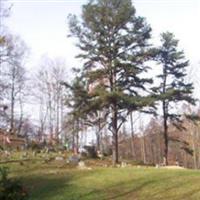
34	153
59	158
74	159
123	164
100	155
157	166
81	165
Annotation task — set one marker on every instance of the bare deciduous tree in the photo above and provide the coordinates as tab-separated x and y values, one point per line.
50	95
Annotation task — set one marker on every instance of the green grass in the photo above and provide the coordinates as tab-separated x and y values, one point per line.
55	182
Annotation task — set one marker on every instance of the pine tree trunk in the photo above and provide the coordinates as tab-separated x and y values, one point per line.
73	138
98	135
160	148
77	138
115	152
98	141
165	117
165	161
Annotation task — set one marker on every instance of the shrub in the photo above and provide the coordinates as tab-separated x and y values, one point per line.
11	189
90	152
107	151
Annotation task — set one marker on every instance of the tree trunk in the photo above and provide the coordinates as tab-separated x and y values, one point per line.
160	142
115	153
98	135
165	118
143	148
77	138
73	138
165	159
194	147
21	117
132	137
98	141
57	116
12	103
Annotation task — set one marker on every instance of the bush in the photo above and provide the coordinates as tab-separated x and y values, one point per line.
11	189
107	151
90	152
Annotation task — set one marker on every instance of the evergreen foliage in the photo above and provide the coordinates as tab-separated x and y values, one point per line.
114	45
173	87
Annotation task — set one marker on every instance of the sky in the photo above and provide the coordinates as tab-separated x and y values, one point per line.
42	24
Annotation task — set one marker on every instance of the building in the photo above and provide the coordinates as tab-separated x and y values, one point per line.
11	141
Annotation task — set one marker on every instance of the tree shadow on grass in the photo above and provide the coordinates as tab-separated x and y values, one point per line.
46	187
122	189
49	186
66	186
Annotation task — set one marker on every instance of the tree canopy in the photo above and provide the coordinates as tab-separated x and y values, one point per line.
114	45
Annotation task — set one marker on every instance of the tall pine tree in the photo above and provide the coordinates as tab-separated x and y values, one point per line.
173	87
114	44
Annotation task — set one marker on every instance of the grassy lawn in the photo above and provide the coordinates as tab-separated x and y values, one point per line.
56	182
